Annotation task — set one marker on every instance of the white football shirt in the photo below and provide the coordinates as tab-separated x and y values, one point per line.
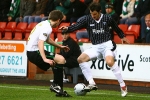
41	31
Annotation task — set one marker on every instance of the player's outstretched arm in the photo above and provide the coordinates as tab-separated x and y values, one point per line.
50	41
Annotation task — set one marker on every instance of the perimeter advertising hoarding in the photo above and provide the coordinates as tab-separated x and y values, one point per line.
13	59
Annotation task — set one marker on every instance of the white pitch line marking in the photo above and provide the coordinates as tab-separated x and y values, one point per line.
68	91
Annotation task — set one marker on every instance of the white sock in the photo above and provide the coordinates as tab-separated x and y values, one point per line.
116	70
87	72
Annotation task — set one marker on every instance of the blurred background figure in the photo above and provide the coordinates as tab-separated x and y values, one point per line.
76	10
49	7
14	10
26	9
117	4
102	3
62	5
147	29
127	11
38	12
110	10
4	9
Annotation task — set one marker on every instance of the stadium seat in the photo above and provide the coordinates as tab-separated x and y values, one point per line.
75	73
131	38
133	29
18	36
52	36
2	26
117	40
73	35
56	30
0	35
21	27
82	1
123	27
59	37
26	36
30	27
10	27
7	36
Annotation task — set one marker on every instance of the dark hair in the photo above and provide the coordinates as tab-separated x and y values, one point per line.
109	5
55	15
95	7
64	32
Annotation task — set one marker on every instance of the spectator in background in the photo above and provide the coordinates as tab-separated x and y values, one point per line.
50	6
109	10
133	19
117	5
147	29
62	5
70	56
14	10
38	12
102	3
76	10
4	9
127	11
142	9
26	9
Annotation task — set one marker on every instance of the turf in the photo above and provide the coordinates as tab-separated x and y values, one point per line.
25	92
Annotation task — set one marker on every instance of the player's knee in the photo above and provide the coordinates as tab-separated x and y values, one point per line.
80	60
110	62
83	58
61	60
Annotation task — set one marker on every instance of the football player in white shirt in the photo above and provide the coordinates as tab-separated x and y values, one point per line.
42	58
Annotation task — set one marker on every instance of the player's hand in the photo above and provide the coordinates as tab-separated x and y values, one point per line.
66	48
51	62
63	28
125	40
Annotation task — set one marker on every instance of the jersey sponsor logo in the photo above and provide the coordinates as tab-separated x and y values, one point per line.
45	34
91	24
101	31
104	23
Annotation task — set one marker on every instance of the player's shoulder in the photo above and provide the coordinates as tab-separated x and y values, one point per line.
106	15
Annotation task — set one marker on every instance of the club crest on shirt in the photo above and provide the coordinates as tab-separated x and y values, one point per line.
51	54
104	23
45	34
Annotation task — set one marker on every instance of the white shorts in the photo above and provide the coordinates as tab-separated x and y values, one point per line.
102	50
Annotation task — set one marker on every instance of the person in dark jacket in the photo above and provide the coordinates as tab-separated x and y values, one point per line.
76	10
147	29
74	52
110	11
4	9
